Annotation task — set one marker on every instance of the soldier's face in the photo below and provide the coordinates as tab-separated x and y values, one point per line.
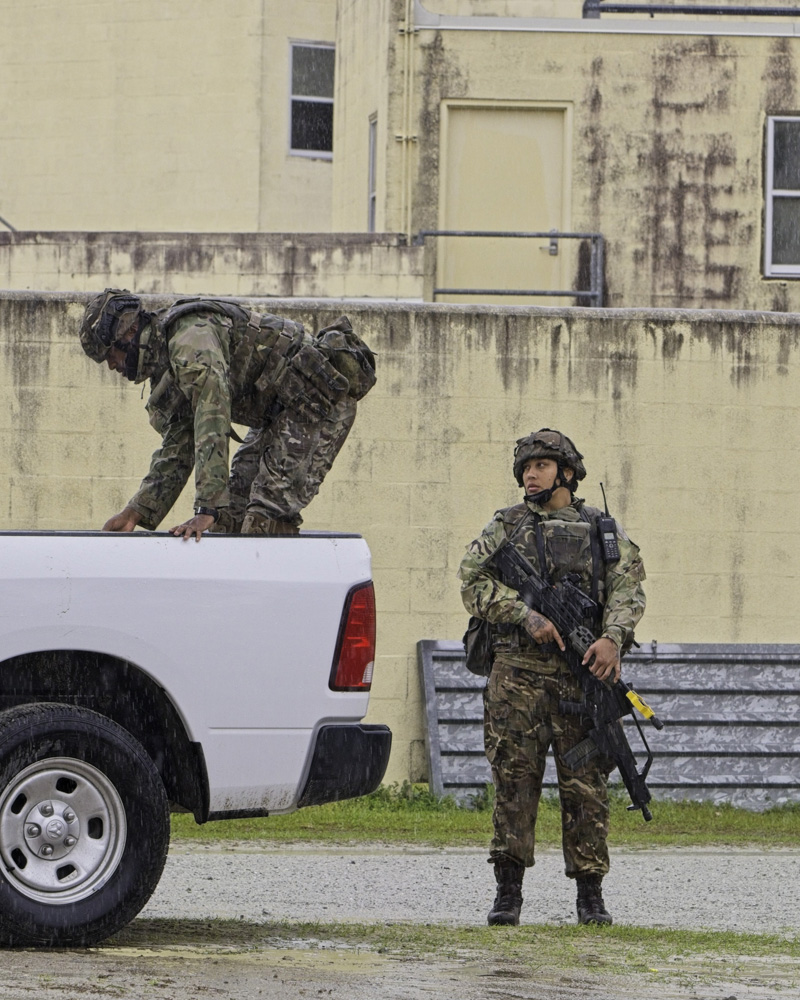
115	359
539	474
118	352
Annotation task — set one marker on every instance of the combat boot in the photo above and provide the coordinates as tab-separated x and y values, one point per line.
591	908
508	901
259	524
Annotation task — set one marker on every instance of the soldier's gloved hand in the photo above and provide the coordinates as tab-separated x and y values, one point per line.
194	527
604	657
126	520
541	629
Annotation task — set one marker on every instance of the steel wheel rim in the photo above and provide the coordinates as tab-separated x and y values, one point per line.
63	830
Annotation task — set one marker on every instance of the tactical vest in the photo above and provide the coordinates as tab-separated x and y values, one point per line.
555	549
274	364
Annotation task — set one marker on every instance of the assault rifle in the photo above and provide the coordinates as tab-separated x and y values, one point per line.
604	703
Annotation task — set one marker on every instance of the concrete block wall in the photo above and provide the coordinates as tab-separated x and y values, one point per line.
282	264
689	418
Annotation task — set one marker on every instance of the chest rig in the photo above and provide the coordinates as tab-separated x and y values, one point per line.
559	549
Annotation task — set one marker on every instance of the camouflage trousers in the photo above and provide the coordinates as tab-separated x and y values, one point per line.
521	720
278	469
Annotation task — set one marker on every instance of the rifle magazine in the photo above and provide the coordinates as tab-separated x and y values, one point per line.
580	754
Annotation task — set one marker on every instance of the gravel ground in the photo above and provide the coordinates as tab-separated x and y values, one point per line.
743	890
717	889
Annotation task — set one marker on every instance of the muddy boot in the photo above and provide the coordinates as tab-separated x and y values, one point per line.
508	901
591	908
259	524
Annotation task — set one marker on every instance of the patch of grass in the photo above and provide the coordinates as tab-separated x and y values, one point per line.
410	814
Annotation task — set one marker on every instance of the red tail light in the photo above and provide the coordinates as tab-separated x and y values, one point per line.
355	648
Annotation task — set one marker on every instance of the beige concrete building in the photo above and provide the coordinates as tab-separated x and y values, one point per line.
668	144
167	115
670	137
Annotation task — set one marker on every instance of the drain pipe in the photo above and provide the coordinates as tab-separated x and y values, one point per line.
407	137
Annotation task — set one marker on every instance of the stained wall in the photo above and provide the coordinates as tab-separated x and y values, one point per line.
668	132
689	418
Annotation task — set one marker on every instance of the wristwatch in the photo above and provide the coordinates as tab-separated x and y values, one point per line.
209	512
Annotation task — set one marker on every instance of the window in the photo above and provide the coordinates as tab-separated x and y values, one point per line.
782	239
312	100
373	152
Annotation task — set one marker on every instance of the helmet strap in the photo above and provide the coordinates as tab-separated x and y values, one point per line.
132	355
542	497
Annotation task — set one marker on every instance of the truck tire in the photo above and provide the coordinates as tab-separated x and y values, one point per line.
84	826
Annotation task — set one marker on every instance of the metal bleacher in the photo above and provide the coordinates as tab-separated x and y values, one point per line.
731	714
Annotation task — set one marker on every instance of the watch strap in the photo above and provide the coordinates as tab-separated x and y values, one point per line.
208	511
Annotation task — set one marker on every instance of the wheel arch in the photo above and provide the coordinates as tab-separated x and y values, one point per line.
123	692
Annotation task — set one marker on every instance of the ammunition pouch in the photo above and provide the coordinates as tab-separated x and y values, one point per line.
310	386
478	646
259	362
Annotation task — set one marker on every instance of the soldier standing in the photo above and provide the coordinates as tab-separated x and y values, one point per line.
211	362
557	533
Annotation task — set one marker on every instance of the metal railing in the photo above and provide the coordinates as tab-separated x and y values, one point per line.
594	9
596	265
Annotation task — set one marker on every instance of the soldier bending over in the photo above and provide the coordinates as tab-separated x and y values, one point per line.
210	362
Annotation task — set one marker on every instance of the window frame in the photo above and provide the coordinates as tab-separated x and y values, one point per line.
772	270
314	154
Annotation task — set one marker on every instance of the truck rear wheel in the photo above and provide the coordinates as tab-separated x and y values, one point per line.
84	826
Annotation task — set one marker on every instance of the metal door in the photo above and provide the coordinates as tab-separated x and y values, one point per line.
503	168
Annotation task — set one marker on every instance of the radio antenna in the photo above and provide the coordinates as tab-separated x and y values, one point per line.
605	502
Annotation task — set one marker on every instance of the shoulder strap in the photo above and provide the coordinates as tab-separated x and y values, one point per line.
513	517
184	307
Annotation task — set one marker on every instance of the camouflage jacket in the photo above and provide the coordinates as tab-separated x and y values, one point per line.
567	547
214	366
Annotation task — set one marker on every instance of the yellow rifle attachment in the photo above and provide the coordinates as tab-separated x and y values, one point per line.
642	707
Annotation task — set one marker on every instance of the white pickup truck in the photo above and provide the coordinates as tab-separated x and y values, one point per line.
141	673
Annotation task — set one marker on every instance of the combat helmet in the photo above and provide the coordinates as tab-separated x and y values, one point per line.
102	318
547	443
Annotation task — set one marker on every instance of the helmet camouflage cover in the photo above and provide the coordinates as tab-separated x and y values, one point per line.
102	320
547	443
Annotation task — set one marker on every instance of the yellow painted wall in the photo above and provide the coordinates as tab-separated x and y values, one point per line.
328	265
506	8
572	8
667	136
689	418
165	115
365	69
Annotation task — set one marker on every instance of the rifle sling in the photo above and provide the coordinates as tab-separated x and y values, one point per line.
537	527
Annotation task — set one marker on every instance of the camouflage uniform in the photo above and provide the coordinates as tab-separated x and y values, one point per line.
521	714
278	468
210	366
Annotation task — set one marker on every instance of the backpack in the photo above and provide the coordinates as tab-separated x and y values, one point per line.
349	355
